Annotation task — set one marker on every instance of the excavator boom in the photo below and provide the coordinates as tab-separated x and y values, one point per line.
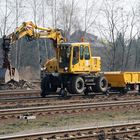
26	29
30	31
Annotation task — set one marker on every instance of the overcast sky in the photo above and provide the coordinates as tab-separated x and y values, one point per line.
27	14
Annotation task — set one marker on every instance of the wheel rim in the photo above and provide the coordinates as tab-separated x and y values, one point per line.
103	83
79	85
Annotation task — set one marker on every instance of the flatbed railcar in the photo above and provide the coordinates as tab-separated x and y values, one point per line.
123	81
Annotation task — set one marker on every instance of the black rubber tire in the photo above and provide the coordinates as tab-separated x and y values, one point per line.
101	84
45	88
63	93
123	90
77	85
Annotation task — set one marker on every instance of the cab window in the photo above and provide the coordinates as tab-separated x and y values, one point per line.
64	59
86	53
75	55
81	52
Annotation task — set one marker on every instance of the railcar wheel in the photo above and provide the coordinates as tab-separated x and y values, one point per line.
63	93
88	90
123	91
77	85
101	84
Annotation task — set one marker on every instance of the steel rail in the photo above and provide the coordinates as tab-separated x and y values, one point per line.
4	94
108	132
12	94
54	99
71	108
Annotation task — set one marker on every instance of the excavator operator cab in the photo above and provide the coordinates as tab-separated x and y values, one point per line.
73	58
76	58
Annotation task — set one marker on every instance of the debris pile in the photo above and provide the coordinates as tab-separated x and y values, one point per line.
22	84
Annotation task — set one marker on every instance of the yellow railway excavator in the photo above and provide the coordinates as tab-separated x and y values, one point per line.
73	69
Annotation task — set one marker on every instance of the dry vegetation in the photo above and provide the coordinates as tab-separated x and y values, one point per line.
68	121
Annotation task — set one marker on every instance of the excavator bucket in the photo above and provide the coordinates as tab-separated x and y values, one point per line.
7	75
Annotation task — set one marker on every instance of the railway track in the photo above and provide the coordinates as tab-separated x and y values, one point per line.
129	131
71	109
11	94
30	101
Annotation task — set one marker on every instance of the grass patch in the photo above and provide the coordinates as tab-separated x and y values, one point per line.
47	122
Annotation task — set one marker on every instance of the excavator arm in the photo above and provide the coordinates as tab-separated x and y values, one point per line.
31	31
54	34
26	29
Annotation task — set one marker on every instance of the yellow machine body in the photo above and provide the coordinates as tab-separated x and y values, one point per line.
121	79
77	59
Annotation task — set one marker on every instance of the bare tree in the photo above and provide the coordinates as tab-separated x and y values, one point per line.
67	17
109	32
91	12
18	6
6	14
132	35
119	32
35	5
5	19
